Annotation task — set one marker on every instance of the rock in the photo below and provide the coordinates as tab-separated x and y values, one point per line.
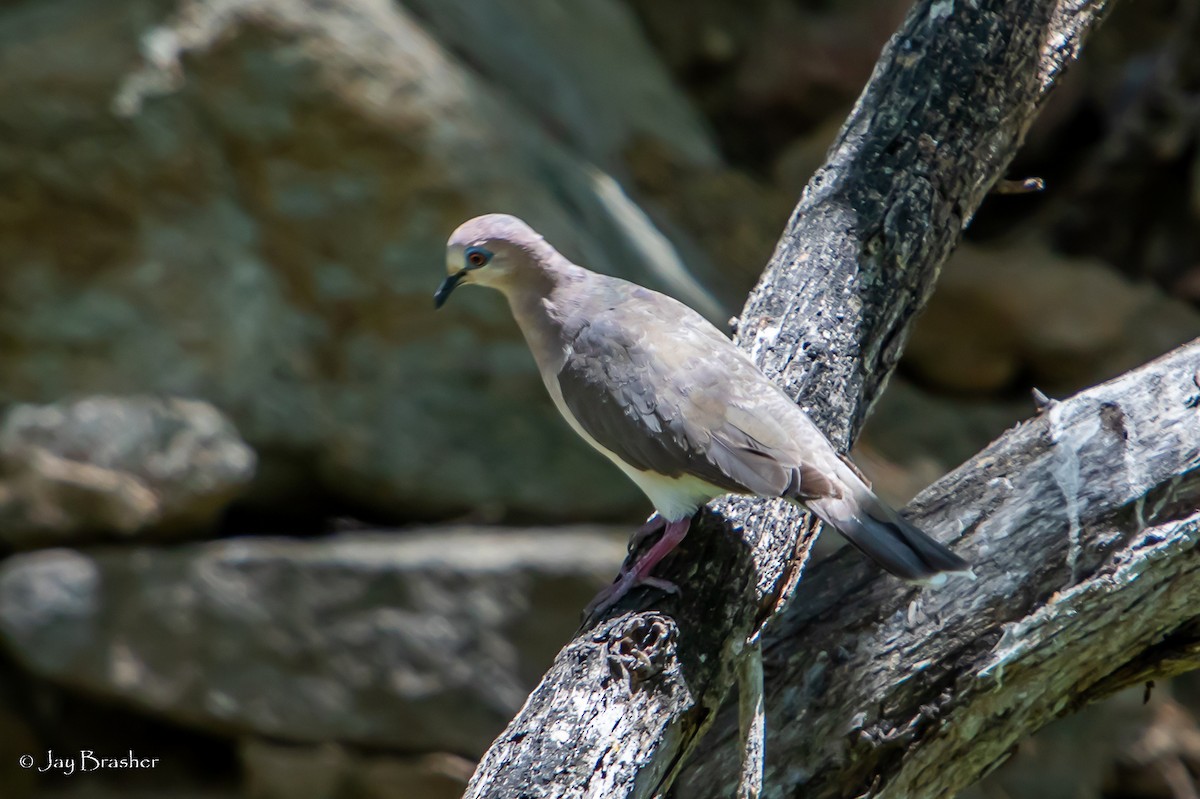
16	740
1016	315
734	219
124	466
437	776
269	186
1156	753
565	67
1123	188
767	70
1004	319
801	158
422	641
1124	745
276	771
809	62
701	36
913	436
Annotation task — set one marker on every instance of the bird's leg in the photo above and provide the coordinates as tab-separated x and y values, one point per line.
673	534
652	526
639	572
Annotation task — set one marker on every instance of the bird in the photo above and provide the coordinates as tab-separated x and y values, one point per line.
674	404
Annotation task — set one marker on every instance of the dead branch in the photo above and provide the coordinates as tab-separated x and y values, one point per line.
628	700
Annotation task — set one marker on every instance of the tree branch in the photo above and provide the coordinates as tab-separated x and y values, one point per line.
1082	526
951	98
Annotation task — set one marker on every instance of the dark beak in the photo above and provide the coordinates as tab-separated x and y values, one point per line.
439	296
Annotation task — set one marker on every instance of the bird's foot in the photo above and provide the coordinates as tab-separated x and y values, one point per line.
626	581
662	584
639	573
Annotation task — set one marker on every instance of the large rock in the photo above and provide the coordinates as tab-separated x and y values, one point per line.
767	70
1002	320
914	436
1137	743
16	740
735	219
278	771
247	201
424	641
588	71
116	465
1010	316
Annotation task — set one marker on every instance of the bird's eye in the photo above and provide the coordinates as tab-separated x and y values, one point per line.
477	257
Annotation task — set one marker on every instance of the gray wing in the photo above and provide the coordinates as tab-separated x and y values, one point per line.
656	384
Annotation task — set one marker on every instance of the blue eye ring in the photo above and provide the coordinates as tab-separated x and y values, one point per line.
477	257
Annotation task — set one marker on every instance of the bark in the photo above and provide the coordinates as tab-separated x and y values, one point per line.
1082	526
628	700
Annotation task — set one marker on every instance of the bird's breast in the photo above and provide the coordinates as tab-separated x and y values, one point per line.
673	497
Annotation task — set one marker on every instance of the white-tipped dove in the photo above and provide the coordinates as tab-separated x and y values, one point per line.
673	403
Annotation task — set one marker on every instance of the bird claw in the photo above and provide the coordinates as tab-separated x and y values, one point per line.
662	584
637	574
626	581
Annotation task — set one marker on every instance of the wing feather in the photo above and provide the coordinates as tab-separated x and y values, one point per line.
688	403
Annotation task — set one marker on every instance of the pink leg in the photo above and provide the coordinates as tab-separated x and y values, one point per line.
639	572
652	526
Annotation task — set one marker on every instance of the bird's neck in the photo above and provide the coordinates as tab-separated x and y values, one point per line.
543	312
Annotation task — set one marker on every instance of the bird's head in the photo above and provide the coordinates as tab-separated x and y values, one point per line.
495	250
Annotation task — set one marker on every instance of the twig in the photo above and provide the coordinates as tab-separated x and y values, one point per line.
752	722
1023	186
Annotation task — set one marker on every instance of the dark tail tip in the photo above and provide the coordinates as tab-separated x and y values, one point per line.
900	547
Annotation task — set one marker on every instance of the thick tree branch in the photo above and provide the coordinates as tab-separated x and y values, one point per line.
951	98
1082	524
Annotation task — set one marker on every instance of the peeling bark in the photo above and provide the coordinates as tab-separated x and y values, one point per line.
628	700
1082	526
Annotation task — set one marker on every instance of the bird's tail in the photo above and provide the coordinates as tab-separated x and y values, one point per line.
883	535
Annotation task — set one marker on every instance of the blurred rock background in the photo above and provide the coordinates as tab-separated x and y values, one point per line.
268	518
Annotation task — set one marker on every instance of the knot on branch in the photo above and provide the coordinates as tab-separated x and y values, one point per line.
639	647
